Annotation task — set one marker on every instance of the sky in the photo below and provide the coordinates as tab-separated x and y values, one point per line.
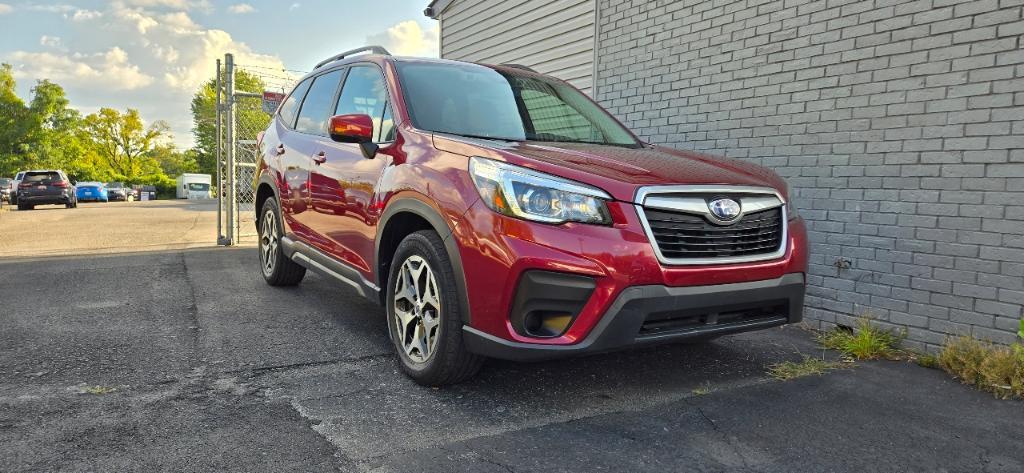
152	55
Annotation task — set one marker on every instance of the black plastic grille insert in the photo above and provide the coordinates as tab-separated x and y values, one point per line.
687	236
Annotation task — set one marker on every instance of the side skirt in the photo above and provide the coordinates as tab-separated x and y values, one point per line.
315	260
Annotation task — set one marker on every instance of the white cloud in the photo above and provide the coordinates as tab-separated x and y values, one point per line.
241	8
5	8
108	70
49	8
167	4
294	6
170	54
85	15
50	41
408	38
140	21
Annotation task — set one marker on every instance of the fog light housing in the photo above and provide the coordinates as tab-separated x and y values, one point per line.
547	302
546	324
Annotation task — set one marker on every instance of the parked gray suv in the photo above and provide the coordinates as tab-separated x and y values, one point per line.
45	187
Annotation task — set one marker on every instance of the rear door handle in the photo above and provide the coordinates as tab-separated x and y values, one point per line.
280	149
320	157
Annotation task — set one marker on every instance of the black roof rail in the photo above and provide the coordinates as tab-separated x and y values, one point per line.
519	66
372	49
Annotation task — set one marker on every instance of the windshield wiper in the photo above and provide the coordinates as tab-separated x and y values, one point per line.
479	137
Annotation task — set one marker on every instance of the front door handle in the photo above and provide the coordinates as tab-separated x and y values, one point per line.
320	158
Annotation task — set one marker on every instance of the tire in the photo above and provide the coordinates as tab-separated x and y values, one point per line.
443	358
276	268
22	207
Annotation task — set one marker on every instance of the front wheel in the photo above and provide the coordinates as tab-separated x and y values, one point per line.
277	269
423	313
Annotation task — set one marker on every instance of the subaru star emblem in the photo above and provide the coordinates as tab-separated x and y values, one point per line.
724	209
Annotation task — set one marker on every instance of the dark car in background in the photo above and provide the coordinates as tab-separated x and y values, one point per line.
45	187
119	191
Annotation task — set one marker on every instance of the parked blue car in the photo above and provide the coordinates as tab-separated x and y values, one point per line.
91	191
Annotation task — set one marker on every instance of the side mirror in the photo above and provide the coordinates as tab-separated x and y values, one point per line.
354	128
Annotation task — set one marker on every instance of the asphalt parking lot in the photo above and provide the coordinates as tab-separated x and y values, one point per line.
156	352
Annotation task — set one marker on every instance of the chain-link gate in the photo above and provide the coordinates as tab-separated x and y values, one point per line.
240	118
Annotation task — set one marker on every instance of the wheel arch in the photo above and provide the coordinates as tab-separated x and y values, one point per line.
265	189
406	215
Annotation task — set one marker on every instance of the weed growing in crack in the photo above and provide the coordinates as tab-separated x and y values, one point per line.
865	342
991	368
702	389
809	366
98	390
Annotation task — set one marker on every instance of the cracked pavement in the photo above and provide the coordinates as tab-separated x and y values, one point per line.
183	360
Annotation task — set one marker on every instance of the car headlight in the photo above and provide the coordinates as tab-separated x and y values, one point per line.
531	195
791	211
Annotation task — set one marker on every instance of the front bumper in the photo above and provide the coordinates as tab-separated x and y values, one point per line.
655	314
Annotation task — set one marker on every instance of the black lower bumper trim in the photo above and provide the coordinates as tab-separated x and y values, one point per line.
675	313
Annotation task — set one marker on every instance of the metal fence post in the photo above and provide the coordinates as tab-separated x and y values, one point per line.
221	239
229	61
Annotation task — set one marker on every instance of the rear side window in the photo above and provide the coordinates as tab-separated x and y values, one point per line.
290	107
365	93
316	108
42	177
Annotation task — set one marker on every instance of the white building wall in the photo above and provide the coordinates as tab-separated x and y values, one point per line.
552	37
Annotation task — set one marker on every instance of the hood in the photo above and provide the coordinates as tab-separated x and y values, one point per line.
619	171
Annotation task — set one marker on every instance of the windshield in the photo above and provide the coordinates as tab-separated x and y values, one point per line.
115	185
195	186
478	101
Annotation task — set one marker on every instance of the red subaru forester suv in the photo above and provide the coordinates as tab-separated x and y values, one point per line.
497	212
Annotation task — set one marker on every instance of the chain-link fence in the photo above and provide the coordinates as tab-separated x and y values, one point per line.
241	116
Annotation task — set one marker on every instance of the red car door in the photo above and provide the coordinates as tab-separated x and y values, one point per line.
304	144
291	163
344	181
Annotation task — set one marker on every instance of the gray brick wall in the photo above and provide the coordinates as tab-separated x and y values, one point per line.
899	122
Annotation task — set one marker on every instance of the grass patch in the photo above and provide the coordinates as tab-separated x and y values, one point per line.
98	390
995	369
702	389
866	342
809	366
925	360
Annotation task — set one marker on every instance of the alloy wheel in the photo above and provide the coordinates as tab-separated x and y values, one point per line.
269	242
417	309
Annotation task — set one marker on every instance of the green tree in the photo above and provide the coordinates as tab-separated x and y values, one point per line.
53	133
40	135
250	117
123	142
13	124
174	162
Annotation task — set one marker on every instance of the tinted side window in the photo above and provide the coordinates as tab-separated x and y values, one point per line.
316	108
290	107
365	93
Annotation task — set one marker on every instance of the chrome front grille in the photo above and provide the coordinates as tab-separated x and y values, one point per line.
683	229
